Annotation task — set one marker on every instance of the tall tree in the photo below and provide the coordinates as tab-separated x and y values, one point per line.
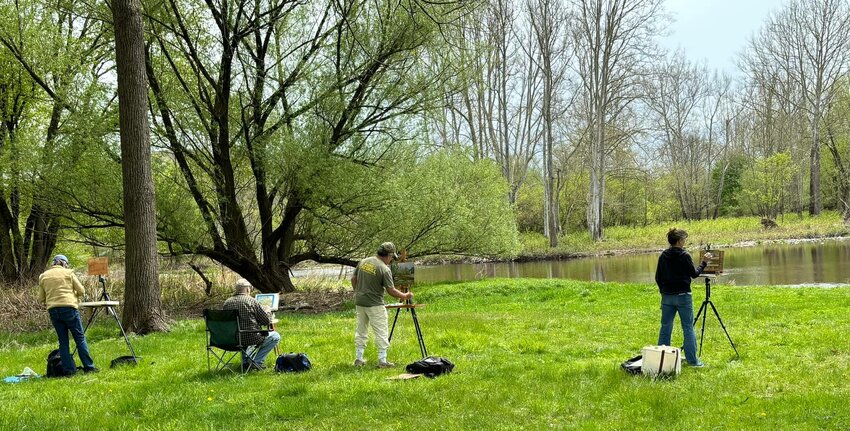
142	299
612	44
549	19
496	68
57	52
266	113
809	41
838	144
687	102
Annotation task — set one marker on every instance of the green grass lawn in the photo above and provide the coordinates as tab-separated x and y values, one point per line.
529	354
722	231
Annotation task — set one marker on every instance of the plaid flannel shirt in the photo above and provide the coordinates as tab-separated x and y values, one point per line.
251	317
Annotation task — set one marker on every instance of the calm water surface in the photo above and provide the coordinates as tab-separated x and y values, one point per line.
823	263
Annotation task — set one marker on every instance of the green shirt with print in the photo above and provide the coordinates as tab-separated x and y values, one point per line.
373	278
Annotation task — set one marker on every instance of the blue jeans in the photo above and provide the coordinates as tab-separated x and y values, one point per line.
684	305
66	319
258	354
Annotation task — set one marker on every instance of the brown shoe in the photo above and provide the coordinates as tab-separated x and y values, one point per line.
386	365
359	362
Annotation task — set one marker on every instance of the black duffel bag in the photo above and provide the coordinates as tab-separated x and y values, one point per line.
292	362
431	366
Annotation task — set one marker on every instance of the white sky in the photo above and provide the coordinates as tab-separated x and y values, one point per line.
715	31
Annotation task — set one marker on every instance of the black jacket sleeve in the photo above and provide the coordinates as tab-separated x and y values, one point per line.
696	271
658	273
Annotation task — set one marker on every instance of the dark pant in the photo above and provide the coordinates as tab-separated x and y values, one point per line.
684	305
66	319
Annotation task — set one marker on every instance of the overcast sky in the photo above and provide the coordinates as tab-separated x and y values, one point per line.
715	31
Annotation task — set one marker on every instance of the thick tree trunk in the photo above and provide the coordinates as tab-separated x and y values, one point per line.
142	303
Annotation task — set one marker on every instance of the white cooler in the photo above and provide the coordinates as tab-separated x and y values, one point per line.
661	360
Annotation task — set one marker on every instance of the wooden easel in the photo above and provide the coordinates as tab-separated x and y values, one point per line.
410	307
99	266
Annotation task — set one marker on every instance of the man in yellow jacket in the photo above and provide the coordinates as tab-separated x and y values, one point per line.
61	291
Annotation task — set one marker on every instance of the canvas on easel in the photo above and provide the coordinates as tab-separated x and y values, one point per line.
269	301
403	277
403	272
715	264
98	266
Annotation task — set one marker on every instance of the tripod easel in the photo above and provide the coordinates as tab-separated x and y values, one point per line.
411	307
704	308
105	302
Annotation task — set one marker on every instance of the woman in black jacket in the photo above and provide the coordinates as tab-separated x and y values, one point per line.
673	276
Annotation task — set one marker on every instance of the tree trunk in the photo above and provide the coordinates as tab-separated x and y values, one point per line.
814	178
597	175
548	95
843	175
142	311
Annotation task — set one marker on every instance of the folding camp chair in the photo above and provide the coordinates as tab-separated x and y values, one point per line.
224	333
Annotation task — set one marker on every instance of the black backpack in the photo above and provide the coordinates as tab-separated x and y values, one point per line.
431	366
633	365
292	362
54	365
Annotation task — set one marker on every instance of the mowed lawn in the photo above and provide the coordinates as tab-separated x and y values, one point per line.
529	354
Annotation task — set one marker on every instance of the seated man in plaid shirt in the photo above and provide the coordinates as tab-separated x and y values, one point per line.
251	318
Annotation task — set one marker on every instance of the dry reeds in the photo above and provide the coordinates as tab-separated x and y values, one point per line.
20	311
184	295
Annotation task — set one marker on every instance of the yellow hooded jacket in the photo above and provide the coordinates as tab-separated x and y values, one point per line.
59	287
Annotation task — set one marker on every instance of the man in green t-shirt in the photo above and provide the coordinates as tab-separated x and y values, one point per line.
371	279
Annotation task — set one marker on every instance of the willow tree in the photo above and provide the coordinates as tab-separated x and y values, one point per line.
51	61
280	122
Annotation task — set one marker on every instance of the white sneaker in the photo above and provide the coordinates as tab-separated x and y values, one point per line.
385	364
359	362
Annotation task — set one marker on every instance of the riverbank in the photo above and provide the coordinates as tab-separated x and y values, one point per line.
529	354
622	240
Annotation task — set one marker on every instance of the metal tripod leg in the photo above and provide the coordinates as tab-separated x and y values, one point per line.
704	307
91	319
124	334
419	336
111	311
395	319
696	319
724	329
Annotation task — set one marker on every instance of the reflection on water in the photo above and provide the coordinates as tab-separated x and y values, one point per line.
826	263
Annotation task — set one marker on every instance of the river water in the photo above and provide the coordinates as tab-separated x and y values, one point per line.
821	263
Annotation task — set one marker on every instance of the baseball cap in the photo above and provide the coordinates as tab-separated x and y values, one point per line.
242	284
388	248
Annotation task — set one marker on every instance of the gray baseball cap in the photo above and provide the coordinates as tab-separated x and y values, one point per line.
388	248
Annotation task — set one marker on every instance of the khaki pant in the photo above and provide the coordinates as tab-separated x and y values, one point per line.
376	317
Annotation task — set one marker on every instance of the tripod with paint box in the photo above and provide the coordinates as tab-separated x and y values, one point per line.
403	279
712	270
99	267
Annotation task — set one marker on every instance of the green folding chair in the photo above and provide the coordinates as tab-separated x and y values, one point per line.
224	333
